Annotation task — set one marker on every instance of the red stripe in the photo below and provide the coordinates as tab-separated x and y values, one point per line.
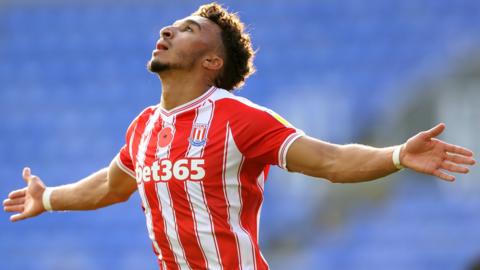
182	209
141	124
191	206
151	193
241	200
209	123
215	198
252	197
197	136
151	198
202	132
212	225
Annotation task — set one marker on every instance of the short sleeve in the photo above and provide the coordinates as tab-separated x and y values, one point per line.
264	135
124	159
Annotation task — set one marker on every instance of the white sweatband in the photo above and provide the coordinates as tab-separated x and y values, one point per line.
46	199
396	157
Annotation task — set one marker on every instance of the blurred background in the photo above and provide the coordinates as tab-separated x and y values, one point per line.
73	76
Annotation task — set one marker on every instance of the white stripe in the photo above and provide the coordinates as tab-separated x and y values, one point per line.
148	215
282	152
232	186
124	168
204	227
130	143
145	139
261	185
166	204
171	228
140	159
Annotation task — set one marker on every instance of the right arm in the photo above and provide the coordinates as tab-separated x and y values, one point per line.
106	187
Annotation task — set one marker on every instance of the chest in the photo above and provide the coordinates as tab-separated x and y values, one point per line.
184	148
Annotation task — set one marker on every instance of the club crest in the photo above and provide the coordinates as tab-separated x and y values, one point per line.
198	136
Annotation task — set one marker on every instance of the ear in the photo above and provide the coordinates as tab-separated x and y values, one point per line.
212	62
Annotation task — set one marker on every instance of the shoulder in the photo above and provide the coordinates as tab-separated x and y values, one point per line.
237	107
140	118
233	103
145	113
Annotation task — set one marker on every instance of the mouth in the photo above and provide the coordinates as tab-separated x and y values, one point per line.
161	46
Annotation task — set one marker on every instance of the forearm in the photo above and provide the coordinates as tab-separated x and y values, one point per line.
359	163
90	193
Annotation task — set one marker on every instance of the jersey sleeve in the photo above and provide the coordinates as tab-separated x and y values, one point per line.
264	135
124	159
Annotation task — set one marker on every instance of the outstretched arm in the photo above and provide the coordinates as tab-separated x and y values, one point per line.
108	186
358	163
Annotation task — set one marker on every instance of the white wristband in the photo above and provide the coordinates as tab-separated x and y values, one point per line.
46	199
396	157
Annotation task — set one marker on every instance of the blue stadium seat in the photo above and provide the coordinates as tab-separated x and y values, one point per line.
71	78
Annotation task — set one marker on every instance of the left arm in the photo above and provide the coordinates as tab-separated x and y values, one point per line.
358	163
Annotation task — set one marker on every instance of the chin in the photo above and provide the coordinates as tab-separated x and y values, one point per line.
156	66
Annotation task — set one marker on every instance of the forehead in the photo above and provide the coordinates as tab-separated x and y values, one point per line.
205	23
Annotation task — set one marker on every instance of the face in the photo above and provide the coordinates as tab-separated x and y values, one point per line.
185	44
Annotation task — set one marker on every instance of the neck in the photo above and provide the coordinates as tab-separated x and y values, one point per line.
179	88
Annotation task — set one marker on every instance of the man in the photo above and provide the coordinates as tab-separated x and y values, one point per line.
199	159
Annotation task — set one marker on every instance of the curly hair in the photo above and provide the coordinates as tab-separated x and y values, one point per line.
238	62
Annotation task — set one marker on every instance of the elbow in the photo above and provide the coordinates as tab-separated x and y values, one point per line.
337	180
324	171
332	170
119	198
111	198
328	171
338	176
333	174
333	178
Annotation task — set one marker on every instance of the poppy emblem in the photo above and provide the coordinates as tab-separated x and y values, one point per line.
165	137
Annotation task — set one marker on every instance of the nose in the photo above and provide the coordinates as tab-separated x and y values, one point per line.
167	32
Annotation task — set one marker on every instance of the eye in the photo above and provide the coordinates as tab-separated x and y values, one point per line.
187	28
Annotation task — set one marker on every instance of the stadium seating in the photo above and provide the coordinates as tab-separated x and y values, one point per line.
72	78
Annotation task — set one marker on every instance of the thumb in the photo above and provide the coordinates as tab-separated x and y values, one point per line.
18	217
435	131
26	174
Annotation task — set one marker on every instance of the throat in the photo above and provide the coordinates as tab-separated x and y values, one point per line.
179	88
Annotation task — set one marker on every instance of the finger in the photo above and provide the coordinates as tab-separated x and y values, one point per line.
457	149
435	131
8	202
444	176
17	193
18	217
454	168
14	208
26	174
460	159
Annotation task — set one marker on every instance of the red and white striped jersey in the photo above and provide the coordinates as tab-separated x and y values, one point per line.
200	170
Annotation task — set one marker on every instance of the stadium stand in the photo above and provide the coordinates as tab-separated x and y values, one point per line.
73	76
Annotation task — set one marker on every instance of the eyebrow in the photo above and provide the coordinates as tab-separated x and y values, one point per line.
190	21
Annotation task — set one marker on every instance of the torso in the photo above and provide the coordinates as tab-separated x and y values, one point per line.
202	196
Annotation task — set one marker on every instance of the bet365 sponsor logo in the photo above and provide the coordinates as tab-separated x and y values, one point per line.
165	170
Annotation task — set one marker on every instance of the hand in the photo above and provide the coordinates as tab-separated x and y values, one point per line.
27	202
423	153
